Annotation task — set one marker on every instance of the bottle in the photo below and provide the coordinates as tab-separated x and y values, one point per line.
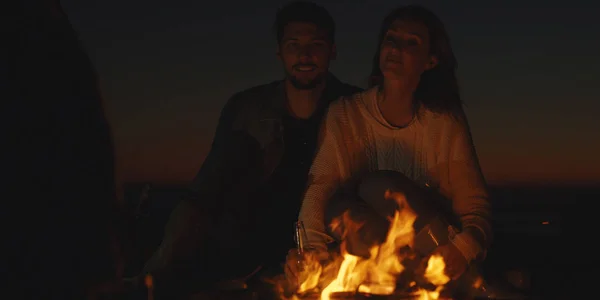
305	251
301	238
307	262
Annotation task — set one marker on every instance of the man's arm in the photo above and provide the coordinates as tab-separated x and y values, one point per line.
209	180
195	213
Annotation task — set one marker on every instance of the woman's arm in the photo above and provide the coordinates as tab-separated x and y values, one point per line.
468	191
323	182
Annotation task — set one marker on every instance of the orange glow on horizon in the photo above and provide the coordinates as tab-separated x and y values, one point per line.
177	161
184	169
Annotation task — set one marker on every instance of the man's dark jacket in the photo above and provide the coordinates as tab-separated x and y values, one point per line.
247	147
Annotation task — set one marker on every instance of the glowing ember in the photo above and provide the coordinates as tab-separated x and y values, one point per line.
378	274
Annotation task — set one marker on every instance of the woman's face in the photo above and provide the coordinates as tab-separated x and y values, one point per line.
405	53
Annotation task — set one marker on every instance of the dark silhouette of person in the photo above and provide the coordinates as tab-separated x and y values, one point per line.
61	216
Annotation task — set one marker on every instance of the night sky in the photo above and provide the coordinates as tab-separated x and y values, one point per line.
529	73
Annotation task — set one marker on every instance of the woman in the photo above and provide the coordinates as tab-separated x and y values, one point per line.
410	121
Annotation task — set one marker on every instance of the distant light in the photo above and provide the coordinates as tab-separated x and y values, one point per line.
545	222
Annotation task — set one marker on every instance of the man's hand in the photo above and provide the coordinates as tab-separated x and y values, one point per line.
456	263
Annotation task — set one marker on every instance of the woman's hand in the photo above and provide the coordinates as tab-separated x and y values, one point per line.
458	254
455	261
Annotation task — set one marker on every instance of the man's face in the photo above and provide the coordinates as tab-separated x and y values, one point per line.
305	52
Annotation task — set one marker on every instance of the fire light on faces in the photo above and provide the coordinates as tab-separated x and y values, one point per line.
376	275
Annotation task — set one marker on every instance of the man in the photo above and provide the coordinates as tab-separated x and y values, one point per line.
58	164
246	197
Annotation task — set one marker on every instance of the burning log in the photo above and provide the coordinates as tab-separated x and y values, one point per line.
366	296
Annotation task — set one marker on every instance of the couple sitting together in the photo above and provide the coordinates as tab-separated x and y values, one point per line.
310	147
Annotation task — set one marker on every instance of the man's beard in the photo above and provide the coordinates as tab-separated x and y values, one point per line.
311	84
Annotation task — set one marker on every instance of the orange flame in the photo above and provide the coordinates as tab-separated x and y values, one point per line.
378	273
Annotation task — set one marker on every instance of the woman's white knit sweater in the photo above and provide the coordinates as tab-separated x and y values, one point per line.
434	149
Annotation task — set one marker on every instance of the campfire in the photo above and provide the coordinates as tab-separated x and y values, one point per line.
391	271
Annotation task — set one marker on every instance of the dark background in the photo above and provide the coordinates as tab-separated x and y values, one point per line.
528	72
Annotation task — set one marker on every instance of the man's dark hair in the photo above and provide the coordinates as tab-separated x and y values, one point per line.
306	12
